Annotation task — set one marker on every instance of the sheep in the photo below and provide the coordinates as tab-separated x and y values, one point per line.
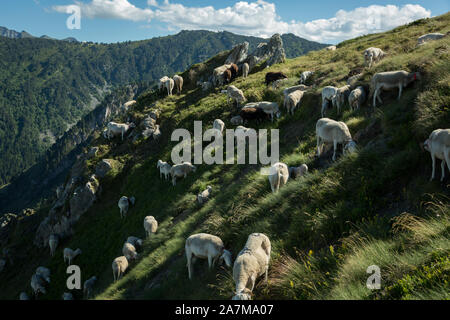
119	266
328	94
129	251
356	98
67	296
150	225
250	113
44	273
331	48
277	84
53	242
372	55
279	176
136	242
218	74
181	171
2	264
162	83
24	296
237	120
178	83
293	100
353	79
328	130
38	284
88	286
288	91
204	196
70	254
129	104
341	97
235	94
305	76
251	263
270	108
219	125
205	246
234	71
245	70
274	76
164	169
115	129
169	85
124	204
429	37
391	80
296	172
228	76
438	145
157	132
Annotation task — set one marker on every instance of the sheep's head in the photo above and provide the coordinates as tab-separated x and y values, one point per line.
427	146
278	114
139	243
193	168
243	295
132	125
350	147
159	164
226	256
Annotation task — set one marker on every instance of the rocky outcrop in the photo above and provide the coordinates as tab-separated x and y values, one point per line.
272	52
104	167
238	54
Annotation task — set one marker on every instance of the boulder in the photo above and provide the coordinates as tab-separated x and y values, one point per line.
104	167
272	52
238	54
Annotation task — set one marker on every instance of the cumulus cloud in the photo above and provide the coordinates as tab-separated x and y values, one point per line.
258	18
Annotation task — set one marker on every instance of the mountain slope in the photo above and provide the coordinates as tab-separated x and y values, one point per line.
325	229
46	86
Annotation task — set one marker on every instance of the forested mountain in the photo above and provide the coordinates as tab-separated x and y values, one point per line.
46	85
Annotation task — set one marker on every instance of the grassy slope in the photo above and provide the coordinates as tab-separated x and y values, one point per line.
326	229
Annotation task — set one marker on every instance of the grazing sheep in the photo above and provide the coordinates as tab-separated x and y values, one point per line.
296	172
24	296
234	71
169	85
119	266
356	98
2	264
67	296
235	94
219	125
353	79
88	286
204	196
245	70
341	97
250	113
279	176
218	74
114	129
129	251
328	94
331	48
227	76
372	55
305	76
288	91
70	254
293	100
136	242
53	242
181	171
330	131
277	84
162	82
164	169
251	263
438	145
178	83
270	108
150	225
128	104
124	204
237	120
274	76
429	37
391	80
206	246
38	284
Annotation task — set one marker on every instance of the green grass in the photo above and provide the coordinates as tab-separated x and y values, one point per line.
325	228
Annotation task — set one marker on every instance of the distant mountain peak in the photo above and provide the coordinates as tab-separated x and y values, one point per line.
13	34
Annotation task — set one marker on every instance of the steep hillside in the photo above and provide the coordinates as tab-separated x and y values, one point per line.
374	207
46	86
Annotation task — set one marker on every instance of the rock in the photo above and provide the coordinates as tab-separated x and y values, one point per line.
104	167
93	152
238	54
83	198
272	52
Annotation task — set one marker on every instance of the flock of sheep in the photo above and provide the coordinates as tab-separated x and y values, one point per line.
253	260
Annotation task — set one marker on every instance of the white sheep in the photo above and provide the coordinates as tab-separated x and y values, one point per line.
270	108
341	97
169	85
164	169
237	120
356	98
372	55
53	242
204	196
288	91
391	80
305	76
278	83
150	225
70	254
235	94
429	37
219	125
245	70
181	171
330	131
178	83
114	129
157	132
119	266
162	83
438	145
296	172
44	273
251	263
129	251
328	94
67	296
218	72
293	100
278	177
205	246
88	286
135	241
38	284
331	48
2	264
124	205
24	296
129	104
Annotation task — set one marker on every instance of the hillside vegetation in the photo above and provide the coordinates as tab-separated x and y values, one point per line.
374	207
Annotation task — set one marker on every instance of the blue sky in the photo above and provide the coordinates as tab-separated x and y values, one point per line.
122	20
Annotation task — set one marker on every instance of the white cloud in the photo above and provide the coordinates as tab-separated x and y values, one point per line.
258	18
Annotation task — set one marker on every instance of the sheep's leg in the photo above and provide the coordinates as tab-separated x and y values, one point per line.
319	149
433	159
267	274
443	170
210	262
400	89
447	157
379	95
189	264
335	148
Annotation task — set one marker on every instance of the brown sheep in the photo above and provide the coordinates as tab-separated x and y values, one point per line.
274	76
